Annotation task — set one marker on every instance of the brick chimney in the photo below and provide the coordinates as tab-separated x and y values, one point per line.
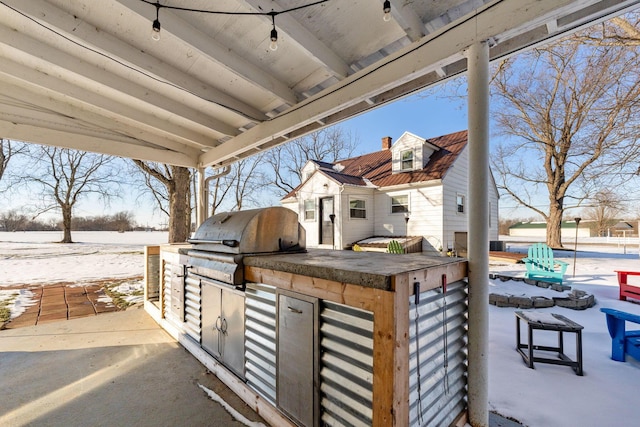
386	143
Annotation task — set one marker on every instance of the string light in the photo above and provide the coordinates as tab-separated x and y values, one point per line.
386	8
273	37
155	27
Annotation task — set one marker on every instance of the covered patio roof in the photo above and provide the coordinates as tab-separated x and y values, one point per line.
86	74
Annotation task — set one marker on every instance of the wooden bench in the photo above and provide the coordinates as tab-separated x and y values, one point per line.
622	341
541	265
627	290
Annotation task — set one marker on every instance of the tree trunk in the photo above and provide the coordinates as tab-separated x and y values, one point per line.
554	225
66	224
179	208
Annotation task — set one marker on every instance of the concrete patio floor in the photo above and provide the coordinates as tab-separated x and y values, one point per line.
114	369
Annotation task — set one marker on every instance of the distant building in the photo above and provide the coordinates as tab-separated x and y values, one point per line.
414	187
538	229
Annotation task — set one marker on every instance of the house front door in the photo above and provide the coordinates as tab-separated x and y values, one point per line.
326	224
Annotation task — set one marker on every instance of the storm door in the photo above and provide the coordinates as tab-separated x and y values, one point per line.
326	223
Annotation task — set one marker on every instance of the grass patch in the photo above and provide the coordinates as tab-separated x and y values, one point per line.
119	298
5	310
5	314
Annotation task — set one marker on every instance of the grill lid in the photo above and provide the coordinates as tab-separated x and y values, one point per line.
254	231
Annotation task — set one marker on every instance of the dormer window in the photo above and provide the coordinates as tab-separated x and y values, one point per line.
406	160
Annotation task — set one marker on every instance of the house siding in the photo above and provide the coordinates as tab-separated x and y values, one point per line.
315	189
425	215
454	184
354	229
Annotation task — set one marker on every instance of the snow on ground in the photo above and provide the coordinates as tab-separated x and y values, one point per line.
35	258
549	395
552	395
17	300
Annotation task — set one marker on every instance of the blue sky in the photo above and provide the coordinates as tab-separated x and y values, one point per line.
421	115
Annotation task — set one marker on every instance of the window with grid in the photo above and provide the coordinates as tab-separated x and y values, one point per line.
460	203
400	204
406	158
357	209
309	210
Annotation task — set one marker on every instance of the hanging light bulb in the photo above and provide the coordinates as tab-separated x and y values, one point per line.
274	40
386	8
155	30
155	27
273	45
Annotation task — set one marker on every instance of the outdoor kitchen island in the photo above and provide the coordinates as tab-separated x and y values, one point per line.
323	337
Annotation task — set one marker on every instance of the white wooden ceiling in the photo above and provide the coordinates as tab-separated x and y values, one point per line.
86	74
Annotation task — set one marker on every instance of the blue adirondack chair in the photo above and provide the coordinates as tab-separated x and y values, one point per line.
622	341
541	265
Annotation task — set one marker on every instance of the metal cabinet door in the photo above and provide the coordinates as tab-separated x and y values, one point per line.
296	371
211	318
233	331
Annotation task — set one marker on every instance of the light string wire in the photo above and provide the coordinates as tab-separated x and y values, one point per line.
158	5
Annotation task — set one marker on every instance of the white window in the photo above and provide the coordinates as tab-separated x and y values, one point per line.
406	158
309	210
400	204
357	209
460	203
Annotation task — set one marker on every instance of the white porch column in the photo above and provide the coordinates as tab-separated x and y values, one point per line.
478	236
200	198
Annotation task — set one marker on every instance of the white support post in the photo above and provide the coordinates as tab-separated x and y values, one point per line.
478	235
200	199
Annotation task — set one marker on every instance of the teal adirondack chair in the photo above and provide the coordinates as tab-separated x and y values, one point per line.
394	247
541	265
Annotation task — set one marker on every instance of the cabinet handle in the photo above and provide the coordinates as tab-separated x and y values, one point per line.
219	319
224	326
294	310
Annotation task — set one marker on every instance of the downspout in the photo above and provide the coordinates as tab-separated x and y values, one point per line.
205	190
200	203
341	221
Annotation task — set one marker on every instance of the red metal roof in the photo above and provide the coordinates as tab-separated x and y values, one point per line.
376	167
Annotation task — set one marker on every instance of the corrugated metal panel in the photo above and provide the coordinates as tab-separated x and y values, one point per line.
153	277
193	303
173	299
346	372
166	287
437	387
260	339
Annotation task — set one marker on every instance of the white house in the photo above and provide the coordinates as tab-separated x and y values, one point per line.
415	187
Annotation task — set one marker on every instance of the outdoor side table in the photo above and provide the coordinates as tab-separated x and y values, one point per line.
548	322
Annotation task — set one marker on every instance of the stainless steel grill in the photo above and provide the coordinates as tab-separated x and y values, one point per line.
222	241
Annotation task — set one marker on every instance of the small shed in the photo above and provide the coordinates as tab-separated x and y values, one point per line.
538	229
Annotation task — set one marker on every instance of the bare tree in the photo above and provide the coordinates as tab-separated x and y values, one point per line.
173	195
619	31
286	161
8	149
604	210
247	180
66	176
569	111
13	220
